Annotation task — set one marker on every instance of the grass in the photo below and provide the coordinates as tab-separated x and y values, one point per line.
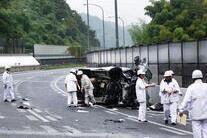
62	66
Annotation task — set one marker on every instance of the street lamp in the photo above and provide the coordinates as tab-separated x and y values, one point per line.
88	31
116	23
123	30
123	25
102	10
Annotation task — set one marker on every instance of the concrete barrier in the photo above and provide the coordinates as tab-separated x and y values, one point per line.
18	62
21	68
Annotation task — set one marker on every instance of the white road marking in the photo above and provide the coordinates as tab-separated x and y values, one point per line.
155	123
111	112
56	88
172	131
58	117
82	111
38	116
155	114
132	119
37	110
72	130
21	110
13	104
51	118
49	129
20	97
2	117
31	117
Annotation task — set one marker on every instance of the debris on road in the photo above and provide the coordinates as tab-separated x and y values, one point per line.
156	107
115	120
23	107
82	111
26	99
114	109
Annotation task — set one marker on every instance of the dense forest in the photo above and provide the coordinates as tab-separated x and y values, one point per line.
172	20
43	22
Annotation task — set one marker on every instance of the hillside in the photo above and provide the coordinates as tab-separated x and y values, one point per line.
43	22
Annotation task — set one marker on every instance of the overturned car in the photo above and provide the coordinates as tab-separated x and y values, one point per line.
113	86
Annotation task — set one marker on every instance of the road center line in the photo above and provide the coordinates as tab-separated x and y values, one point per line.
111	112
172	131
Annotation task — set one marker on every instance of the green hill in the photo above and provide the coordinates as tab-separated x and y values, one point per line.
43	22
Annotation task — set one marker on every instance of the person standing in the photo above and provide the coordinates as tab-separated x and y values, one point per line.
71	85
195	101
87	87
8	85
169	93
141	86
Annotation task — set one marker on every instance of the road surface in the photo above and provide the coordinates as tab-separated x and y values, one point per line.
49	116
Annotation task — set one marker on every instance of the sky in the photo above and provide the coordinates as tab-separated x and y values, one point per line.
131	11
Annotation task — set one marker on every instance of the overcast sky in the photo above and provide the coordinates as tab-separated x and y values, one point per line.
130	10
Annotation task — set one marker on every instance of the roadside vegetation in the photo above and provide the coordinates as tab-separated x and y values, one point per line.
171	21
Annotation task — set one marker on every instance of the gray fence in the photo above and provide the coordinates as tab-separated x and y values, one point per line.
181	57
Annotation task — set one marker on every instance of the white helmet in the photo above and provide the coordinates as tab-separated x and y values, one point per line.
140	72
73	70
168	74
80	72
172	72
197	74
7	67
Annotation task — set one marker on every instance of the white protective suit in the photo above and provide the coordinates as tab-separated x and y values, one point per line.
8	86
195	101
170	101
71	87
141	97
88	88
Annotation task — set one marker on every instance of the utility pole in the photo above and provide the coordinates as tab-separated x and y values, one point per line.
88	26
123	25
103	18
116	24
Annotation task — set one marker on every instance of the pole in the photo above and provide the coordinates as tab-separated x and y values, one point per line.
88	26
103	18
123	24
116	24
104	39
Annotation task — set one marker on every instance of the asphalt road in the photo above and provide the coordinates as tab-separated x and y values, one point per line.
50	118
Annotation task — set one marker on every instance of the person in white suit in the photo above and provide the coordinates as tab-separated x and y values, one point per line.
195	101
87	87
8	85
141	86
71	85
170	95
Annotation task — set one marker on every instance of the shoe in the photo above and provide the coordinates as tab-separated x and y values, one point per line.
13	100
166	122
173	124
145	121
6	101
